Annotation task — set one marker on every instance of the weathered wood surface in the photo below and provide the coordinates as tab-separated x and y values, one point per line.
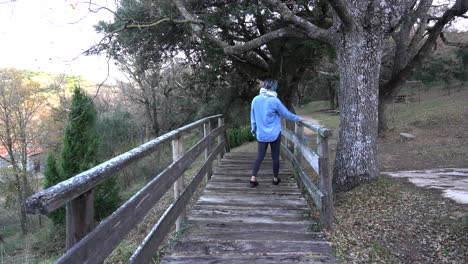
52	198
323	131
233	223
306	181
100	242
326	213
152	241
307	152
80	218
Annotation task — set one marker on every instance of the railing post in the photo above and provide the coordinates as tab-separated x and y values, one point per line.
179	185
207	130
80	218
220	139
325	177
299	130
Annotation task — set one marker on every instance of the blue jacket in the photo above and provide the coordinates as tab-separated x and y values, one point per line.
265	117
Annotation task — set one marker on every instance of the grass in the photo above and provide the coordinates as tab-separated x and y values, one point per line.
392	221
380	221
313	107
32	249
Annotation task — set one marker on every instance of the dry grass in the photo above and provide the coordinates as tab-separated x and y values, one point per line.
392	221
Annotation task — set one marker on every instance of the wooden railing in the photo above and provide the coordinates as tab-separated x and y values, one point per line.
319	161
88	245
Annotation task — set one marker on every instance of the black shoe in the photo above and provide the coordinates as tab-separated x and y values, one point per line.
276	182
253	184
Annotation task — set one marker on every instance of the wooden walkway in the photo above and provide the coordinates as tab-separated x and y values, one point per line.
233	223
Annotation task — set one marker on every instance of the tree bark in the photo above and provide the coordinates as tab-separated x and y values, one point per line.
359	56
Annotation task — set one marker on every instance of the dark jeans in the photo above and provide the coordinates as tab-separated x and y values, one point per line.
275	150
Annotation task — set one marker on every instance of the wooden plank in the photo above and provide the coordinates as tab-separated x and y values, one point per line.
98	244
246	184
254	196
323	131
248	220
80	218
246	207
248	190
307	152
206	131
249	171
267	248
220	139
148	247
219	200
54	197
271	213
248	259
313	191
325	176
246	226
265	180
179	185
197	234
299	131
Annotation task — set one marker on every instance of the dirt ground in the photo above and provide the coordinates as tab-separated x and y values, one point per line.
390	220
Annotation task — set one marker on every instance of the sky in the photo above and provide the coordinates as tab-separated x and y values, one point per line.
50	35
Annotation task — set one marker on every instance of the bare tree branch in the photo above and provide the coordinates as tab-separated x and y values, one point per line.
343	13
310	29
287	32
449	43
249	55
459	8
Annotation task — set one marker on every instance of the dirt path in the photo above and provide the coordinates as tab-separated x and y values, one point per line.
309	118
453	182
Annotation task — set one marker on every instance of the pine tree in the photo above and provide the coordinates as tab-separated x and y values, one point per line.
52	176
79	153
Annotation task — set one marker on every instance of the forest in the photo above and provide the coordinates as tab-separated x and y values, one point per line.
186	60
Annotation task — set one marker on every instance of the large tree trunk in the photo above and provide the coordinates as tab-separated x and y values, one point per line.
359	56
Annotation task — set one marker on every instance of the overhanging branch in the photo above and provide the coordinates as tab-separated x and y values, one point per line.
454	44
309	29
286	32
343	13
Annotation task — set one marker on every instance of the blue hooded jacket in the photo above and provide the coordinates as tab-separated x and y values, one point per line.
265	117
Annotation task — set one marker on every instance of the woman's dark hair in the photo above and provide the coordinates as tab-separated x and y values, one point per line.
270	84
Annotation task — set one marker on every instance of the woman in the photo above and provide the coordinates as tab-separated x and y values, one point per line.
265	120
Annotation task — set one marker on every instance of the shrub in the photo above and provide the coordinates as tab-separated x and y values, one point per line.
238	136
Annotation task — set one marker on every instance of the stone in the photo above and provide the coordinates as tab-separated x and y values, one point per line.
405	137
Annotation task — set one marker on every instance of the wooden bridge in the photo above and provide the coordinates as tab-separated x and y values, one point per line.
230	223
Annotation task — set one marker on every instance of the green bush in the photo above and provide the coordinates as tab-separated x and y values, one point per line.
238	136
79	153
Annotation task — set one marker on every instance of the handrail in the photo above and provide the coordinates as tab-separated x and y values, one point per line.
52	198
321	130
319	161
157	234
95	245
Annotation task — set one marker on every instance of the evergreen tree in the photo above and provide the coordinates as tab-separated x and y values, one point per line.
79	153
52	177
